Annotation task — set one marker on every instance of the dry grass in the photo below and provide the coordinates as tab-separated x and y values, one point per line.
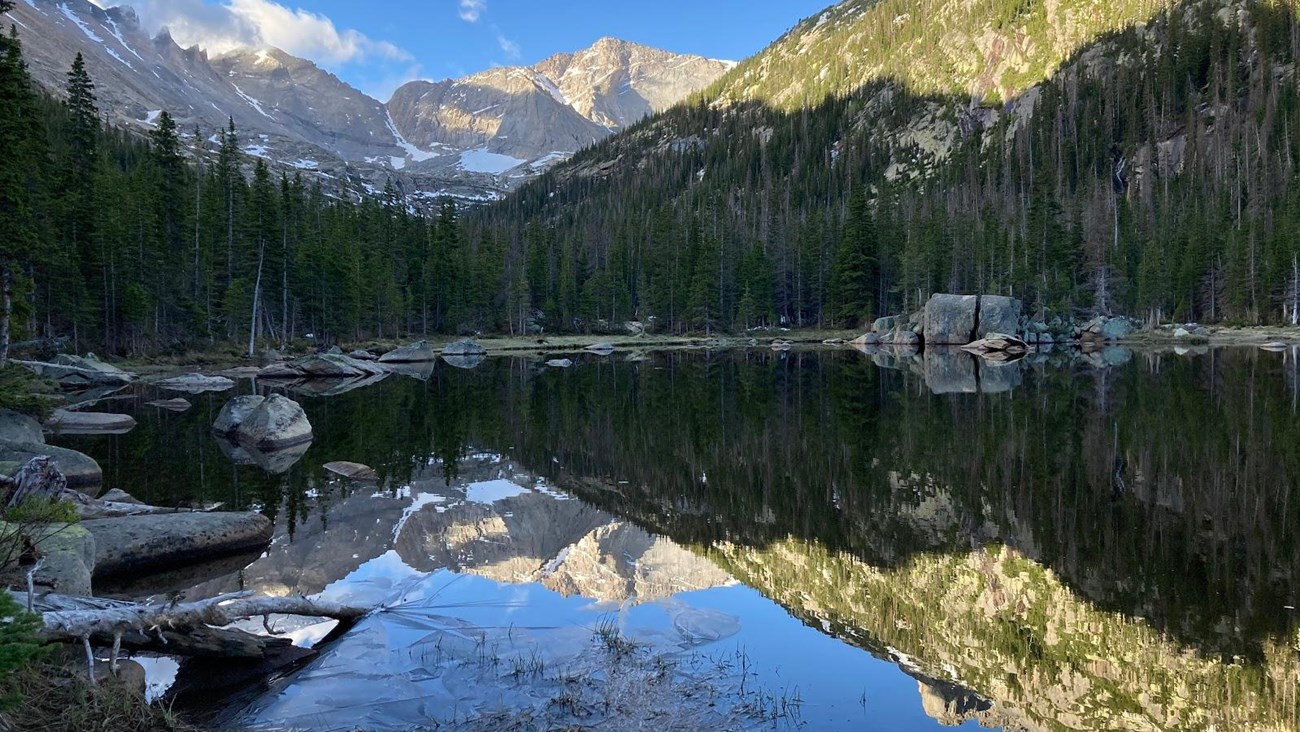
60	699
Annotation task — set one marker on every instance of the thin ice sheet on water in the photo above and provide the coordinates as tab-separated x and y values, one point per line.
462	651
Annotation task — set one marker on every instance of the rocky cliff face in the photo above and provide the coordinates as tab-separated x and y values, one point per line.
543	113
475	137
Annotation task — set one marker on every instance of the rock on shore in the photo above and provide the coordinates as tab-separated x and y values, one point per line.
131	544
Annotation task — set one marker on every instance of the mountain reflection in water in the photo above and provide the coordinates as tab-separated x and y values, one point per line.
1097	543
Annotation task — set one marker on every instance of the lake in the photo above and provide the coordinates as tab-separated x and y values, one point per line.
749	539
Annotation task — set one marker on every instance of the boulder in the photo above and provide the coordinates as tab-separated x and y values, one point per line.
81	471
418	352
334	351
464	348
781	344
603	349
276	423
950	319
1117	328
559	363
171	405
884	325
997	314
132	544
362	355
15	427
68	554
330	366
1181	332
117	495
196	383
235	413
271	356
89	423
76	376
352	471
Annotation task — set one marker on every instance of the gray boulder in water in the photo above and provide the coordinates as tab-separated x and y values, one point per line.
235	413
196	383
950	320
139	543
90	423
418	352
277	423
75	371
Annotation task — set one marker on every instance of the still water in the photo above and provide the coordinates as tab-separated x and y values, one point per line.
758	540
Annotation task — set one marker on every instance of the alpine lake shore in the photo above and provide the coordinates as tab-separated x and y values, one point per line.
55	565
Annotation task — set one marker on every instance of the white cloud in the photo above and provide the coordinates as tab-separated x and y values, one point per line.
258	23
472	10
509	47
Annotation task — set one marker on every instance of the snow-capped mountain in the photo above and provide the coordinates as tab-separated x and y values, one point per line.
553	109
474	138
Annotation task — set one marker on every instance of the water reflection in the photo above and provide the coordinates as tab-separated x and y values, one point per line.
1096	541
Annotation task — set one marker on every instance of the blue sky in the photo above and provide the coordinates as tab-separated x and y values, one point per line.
377	44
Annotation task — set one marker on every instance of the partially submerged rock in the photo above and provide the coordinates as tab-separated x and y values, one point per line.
603	349
171	405
418	352
196	383
1275	346
89	423
321	366
74	371
235	412
276	423
352	471
361	355
464	348
140	543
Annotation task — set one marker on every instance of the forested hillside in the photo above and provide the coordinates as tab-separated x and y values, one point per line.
1135	157
126	244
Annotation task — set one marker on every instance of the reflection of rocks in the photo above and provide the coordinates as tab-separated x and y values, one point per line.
196	383
275	462
952	371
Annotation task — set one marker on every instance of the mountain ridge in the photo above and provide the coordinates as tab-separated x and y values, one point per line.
300	115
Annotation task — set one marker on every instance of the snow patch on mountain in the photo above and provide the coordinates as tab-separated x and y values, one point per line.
67	12
255	104
412	151
480	160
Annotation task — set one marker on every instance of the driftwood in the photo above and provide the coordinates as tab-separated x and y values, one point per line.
177	628
41	478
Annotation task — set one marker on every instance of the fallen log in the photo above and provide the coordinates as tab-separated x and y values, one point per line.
177	628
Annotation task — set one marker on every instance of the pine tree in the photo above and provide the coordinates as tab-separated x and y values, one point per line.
19	171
